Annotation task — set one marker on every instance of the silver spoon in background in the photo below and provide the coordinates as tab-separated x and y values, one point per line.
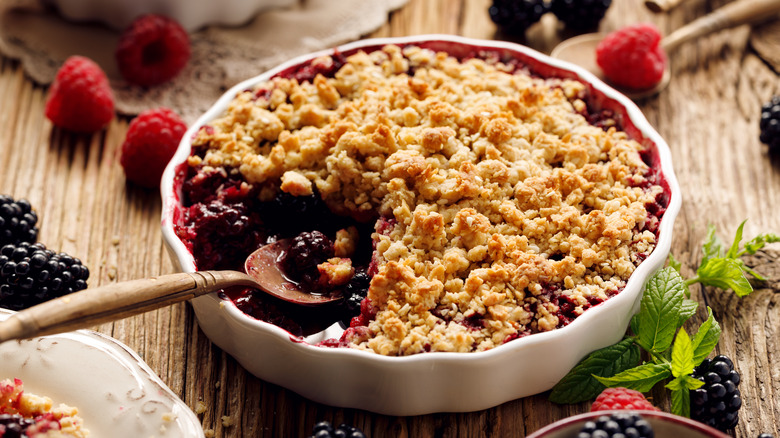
115	301
581	50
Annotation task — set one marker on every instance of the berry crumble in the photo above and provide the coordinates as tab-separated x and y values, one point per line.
28	415
458	202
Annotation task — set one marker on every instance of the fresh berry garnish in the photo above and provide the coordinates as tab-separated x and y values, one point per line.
621	424
151	141
621	399
580	14
770	123
80	98
516	16
17	221
632	57
152	50
716	403
31	274
324	429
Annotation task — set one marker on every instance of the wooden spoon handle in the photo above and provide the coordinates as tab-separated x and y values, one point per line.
661	5
115	301
730	15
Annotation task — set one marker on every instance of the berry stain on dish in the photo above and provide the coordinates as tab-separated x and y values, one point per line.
634	59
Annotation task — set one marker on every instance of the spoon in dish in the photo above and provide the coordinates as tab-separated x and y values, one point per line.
115	301
581	50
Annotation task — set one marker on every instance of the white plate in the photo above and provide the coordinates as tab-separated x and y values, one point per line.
116	393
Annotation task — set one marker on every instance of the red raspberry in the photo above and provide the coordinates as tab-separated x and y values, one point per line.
152	50
632	57
621	398
151	141
80	98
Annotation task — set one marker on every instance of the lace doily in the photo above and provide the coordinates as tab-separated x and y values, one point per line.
221	56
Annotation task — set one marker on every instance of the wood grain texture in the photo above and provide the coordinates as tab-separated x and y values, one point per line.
708	115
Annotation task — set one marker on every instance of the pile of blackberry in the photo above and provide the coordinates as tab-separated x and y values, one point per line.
17	221
29	273
580	15
324	429
516	16
621	424
717	402
770	124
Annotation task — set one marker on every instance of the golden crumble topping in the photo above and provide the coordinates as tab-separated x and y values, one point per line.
499	202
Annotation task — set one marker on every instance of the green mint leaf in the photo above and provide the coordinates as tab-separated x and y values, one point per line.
579	384
725	273
687	309
674	264
681	395
758	242
705	340
641	378
659	311
711	247
734	250
682	355
635	324
745	268
681	399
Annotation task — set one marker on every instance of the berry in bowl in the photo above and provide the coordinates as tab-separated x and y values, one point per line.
640	424
474	204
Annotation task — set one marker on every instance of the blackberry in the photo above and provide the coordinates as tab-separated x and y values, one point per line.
307	250
355	291
621	424
717	402
580	15
324	429
516	16
31	274
14	425
17	221
770	123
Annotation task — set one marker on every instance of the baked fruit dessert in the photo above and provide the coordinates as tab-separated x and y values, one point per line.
28	415
457	202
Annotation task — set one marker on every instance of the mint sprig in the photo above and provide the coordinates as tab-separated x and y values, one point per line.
726	270
657	328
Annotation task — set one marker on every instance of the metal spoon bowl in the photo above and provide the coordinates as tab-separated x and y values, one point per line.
115	301
581	50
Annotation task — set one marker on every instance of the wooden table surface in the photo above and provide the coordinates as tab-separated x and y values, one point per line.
709	116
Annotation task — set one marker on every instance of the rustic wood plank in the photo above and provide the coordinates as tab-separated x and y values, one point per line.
708	115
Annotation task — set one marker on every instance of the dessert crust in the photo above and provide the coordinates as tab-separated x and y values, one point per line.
503	200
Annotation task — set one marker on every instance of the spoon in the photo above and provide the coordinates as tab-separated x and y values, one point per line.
581	49
115	301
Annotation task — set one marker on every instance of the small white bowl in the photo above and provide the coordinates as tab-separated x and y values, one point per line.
191	14
115	391
428	382
663	424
